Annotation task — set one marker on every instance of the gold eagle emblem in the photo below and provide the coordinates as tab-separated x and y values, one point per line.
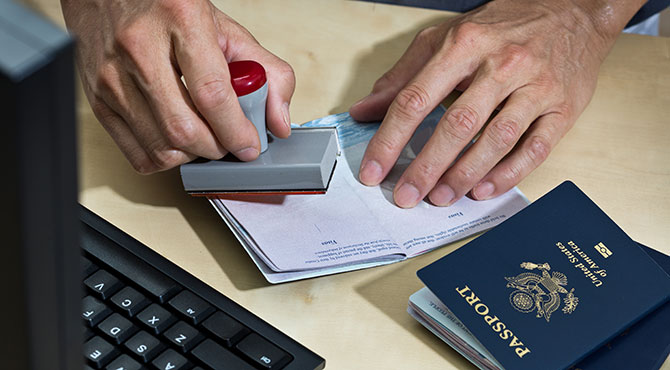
541	293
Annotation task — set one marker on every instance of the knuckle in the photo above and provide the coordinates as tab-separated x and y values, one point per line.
385	146
424	33
210	93
534	99
462	122
133	42
515	55
425	36
106	78
165	159
539	148
510	61
180	131
467	34
100	109
183	12
504	133
286	70
566	109
425	170
142	166
465	174
547	82
512	174
386	80
412	100
130	39
285	73
139	160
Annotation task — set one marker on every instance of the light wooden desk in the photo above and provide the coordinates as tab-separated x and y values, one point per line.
618	153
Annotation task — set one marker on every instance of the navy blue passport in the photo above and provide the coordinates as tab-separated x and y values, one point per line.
643	346
549	285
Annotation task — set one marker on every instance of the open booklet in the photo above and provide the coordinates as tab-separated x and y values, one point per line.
353	226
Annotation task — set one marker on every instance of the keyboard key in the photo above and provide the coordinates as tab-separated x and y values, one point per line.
144	346
263	353
117	328
225	328
124	362
130	301
171	331
170	360
156	318
183	336
191	306
99	352
103	284
94	311
157	284
217	357
87	267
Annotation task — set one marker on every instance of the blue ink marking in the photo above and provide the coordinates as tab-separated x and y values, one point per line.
351	132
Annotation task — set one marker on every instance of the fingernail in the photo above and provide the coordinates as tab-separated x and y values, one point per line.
407	196
287	116
442	195
370	173
247	154
483	190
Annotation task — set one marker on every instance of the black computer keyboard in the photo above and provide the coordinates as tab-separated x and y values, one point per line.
141	311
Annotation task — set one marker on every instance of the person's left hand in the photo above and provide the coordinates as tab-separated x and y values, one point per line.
538	59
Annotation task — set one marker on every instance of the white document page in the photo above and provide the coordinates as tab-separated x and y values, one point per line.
352	225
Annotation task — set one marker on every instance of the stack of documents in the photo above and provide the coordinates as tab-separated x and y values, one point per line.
557	285
353	226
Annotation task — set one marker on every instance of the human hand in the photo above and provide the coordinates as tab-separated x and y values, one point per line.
132	56
538	60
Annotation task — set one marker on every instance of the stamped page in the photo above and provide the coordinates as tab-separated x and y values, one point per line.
352	223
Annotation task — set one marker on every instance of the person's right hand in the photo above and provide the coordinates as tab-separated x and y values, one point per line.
132	56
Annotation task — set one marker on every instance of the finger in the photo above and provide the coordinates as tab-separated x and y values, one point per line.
458	126
205	70
174	112
409	108
124	97
497	139
119	131
533	149
281	86
374	106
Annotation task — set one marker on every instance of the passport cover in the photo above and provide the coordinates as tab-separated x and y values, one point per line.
549	285
643	346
